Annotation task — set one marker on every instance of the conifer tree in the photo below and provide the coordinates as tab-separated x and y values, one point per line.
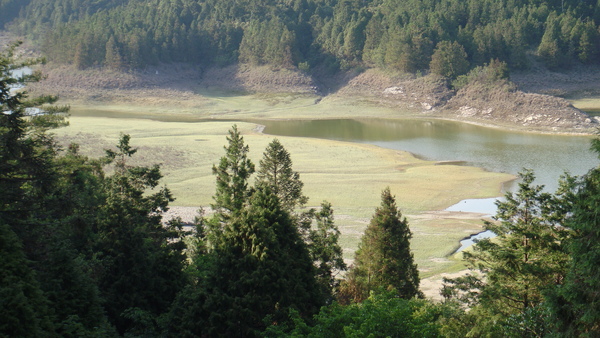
23	306
383	259
141	260
32	205
449	60
575	305
325	250
112	58
276	172
261	268
233	173
512	272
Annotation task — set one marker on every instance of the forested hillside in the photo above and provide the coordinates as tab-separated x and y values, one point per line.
447	37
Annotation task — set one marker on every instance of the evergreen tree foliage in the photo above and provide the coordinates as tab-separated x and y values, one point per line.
141	260
232	173
316	227
383	259
325	250
276	171
260	267
23	307
516	268
381	315
575	304
449	60
38	212
113	58
333	34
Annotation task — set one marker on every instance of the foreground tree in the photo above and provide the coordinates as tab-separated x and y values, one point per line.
317	228
52	292
514	269
383	259
141	260
259	268
575	305
325	250
380	315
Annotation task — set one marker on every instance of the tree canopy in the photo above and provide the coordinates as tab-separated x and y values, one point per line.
316	34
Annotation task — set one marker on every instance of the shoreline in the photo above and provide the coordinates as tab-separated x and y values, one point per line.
216	93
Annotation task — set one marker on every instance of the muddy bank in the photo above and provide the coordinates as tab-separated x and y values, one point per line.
428	96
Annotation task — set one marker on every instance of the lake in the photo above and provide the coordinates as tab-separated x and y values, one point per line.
490	148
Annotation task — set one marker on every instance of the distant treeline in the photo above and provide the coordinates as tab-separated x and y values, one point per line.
335	34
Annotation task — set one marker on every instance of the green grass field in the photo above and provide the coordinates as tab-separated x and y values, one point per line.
349	175
590	105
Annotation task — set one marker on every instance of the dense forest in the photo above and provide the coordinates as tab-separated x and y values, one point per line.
447	37
84	250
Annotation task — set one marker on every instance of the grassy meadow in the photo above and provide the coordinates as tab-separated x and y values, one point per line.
349	175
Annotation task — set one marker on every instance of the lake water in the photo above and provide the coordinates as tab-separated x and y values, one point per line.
467	242
493	149
550	156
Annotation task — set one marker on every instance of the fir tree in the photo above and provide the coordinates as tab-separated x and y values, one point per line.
23	307
261	268
325	250
276	172
141	260
383	259
512	272
233	173
575	305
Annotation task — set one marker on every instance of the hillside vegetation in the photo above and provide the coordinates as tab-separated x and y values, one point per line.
446	37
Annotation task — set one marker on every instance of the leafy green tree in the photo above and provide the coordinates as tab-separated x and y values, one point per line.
276	171
383	259
516	268
380	315
233	173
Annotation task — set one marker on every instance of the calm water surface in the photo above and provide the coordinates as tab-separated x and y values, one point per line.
493	149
